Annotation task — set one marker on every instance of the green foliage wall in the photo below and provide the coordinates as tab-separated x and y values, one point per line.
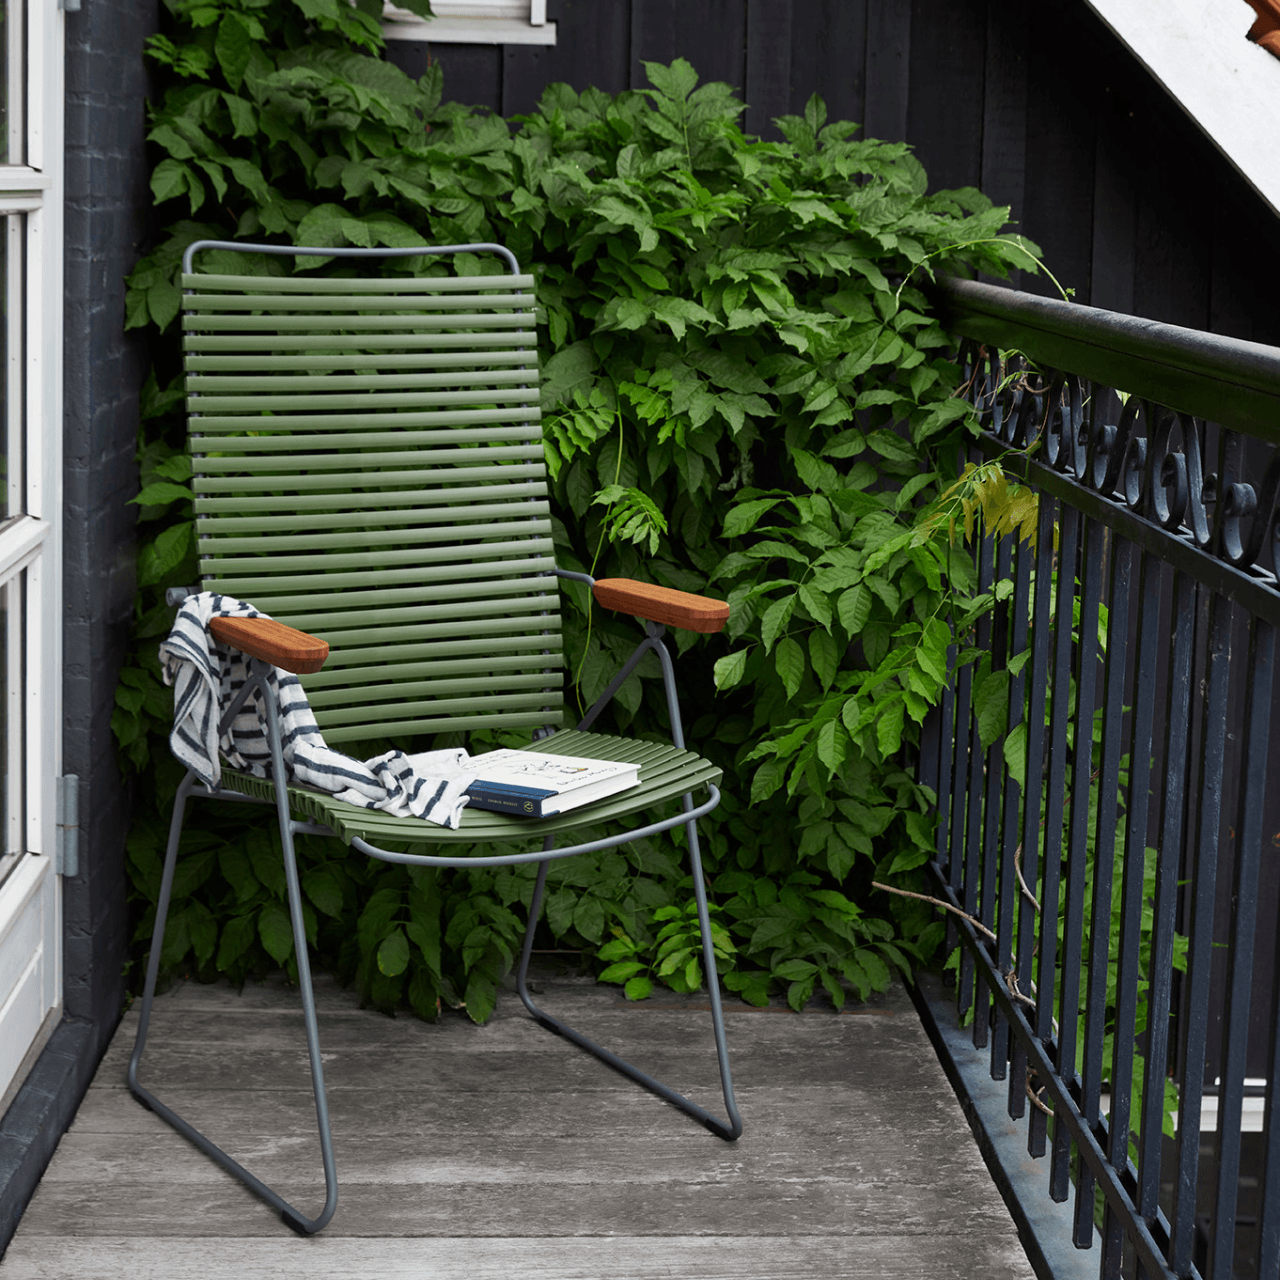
745	394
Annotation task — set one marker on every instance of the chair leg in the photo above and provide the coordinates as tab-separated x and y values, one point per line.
299	1222
730	1131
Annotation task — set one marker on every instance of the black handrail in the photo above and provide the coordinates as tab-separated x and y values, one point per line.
1226	380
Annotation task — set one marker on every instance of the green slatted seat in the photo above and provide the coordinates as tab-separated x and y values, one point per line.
368	468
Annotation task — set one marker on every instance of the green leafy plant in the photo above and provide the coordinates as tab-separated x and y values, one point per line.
745	392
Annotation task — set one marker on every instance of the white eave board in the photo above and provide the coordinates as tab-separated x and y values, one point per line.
1227	84
472	22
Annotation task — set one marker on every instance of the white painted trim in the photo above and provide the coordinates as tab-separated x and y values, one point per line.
43	1036
20	543
472	22
44	458
17	177
1227	84
31	977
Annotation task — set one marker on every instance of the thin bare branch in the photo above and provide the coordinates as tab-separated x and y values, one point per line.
1011	981
1036	1101
1017	866
937	902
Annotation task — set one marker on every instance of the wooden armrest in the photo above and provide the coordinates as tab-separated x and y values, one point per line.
661	604
273	642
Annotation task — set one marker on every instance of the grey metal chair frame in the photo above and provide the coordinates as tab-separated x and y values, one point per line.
289	827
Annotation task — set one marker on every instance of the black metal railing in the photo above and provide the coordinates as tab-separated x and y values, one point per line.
1106	813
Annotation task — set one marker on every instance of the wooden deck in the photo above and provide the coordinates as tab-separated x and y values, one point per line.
503	1151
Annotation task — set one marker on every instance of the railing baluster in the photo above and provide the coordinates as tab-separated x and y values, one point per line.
944	741
1204	877
1132	891
1269	1192
997	645
974	847
947	765
1244	897
1036	702
1104	836
930	754
959	828
1077	857
1016	643
1168	862
1054	810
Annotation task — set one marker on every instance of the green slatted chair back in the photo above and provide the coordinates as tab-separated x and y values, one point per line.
368	466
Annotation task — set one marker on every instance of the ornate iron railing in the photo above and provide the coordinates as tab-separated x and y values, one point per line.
1106	797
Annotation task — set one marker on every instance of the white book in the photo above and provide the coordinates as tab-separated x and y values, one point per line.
538	784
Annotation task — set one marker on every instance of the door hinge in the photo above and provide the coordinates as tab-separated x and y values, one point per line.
67	840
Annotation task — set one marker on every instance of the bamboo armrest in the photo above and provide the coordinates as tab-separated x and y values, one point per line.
273	642
661	604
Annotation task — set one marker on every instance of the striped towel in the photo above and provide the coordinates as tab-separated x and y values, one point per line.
206	676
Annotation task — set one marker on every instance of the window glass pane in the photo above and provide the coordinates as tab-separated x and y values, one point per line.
12	396
4	82
8	392
12	80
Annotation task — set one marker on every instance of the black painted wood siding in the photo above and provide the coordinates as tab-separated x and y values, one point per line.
1033	101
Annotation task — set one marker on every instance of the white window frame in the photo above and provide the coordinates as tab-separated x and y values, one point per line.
472	22
31	539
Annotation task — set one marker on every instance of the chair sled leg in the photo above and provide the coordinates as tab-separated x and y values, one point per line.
730	1131
298	1221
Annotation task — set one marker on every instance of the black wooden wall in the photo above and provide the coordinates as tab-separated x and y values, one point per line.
1033	101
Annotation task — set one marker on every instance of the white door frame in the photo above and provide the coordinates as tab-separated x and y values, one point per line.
31	216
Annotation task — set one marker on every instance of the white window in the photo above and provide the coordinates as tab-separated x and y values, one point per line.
473	22
30	524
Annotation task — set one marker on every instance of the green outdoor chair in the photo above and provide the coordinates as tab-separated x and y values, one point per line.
368	465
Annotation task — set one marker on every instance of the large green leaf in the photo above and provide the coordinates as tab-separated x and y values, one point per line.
276	932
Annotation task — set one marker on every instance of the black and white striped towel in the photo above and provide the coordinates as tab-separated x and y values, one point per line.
206	676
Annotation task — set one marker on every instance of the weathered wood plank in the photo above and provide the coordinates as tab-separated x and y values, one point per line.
781	1114
944	114
1058	201
712	35
592	40
1173	244
1115	193
829	57
888	57
1004	110
370	1032
767	89
441	1145
472	72
233	1047
530	1258
758	1061
739	1207
570	989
